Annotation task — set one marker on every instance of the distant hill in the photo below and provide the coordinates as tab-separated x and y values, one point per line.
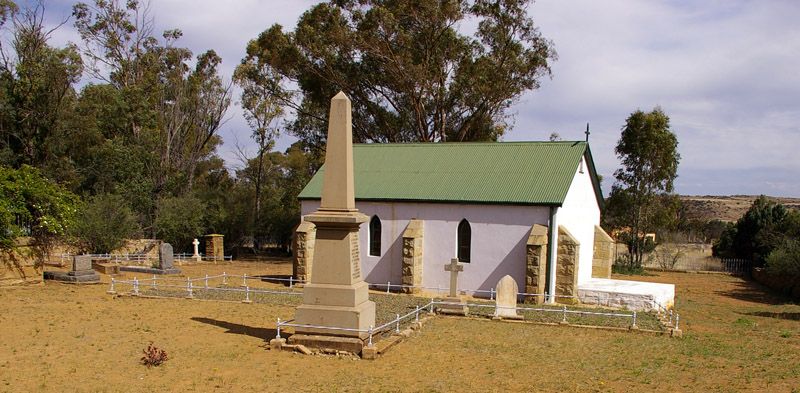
725	208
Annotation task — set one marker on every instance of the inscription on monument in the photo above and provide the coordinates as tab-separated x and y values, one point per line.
355	259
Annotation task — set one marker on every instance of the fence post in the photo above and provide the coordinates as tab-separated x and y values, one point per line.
633	324
111	290
564	315
677	318
153	282
224	278
291	281
278	328
388	285
491	294
246	295
135	286
190	294
431	307
369	344
244	280
397	325
416	314
206	281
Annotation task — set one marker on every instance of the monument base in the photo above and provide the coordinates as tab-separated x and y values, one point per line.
460	308
359	318
77	277
149	270
330	343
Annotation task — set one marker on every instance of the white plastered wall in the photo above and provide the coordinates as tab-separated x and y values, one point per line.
499	237
579	214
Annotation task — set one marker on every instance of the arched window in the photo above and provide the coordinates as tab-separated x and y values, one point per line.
375	236
464	240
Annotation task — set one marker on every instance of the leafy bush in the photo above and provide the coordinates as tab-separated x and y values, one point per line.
179	220
623	266
760	231
104	224
33	206
153	356
785	260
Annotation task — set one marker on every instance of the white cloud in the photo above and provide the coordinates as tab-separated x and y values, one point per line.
725	72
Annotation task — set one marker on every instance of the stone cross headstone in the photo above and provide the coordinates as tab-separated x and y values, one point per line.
453	267
507	298
165	256
196	255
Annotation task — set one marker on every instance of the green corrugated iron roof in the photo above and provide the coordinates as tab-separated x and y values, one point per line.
529	173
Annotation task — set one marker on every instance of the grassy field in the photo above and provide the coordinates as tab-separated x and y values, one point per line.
66	338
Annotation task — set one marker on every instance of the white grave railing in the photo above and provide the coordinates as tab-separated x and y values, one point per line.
668	318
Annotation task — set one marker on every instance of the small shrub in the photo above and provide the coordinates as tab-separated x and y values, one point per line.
104	224
786	334
785	260
153	356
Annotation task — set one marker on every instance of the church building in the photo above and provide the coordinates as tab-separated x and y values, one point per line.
530	210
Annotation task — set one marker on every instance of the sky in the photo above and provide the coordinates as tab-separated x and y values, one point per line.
726	72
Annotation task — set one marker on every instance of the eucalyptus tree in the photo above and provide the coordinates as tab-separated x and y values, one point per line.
408	67
172	108
640	199
36	92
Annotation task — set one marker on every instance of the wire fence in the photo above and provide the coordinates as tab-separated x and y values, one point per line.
248	289
142	258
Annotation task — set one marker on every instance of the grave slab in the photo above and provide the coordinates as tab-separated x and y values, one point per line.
632	295
81	272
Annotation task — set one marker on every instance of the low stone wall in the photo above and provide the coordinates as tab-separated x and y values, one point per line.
786	285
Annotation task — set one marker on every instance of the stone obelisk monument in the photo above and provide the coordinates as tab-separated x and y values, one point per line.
336	295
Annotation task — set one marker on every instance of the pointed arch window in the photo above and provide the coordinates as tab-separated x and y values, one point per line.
375	236
464	241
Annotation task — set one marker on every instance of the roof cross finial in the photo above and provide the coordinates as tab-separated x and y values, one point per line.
587	132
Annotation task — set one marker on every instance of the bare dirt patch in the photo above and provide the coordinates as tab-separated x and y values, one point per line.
59	337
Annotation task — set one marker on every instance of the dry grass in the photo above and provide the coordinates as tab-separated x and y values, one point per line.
59	337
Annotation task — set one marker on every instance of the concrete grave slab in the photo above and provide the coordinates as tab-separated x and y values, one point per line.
633	295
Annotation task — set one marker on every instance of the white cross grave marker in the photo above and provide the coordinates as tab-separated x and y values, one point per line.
196	255
453	267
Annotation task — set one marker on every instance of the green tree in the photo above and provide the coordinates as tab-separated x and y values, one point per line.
179	220
35	207
640	200
410	73
763	228
104	223
35	90
261	111
170	110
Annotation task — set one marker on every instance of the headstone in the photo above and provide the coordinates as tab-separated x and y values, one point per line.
81	263
165	256
165	265
453	267
455	305
196	255
506	300
336	295
81	272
